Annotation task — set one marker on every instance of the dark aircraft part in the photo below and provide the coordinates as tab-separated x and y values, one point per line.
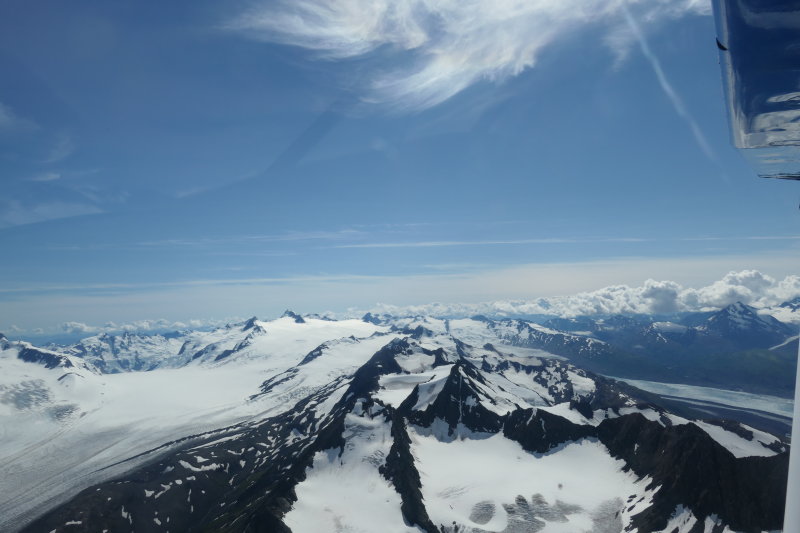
761	73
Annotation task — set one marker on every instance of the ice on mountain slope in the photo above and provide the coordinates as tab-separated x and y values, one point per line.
129	351
46	388
139	352
787	312
517	333
669	327
395	388
343	490
436	326
684	521
742	446
741	440
550	381
332	362
572	489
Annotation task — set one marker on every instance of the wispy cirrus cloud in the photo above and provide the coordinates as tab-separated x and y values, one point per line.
589	240
666	86
142	286
499	242
16	213
63	147
442	47
45	176
289	236
11	122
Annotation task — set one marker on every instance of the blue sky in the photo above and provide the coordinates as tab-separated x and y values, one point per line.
198	160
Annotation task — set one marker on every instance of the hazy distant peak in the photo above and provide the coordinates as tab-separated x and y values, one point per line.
291	314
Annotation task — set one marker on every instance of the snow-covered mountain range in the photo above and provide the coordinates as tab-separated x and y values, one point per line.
381	424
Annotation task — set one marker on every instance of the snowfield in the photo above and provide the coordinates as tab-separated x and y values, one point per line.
345	492
568	487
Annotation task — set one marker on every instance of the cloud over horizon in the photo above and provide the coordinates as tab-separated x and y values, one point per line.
139	326
750	287
442	47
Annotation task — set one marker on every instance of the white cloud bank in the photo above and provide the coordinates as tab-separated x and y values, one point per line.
561	288
747	286
751	287
441	47
141	326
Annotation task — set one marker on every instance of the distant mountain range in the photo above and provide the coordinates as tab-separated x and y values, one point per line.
735	348
393	424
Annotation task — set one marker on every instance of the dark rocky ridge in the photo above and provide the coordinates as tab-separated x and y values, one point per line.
694	470
294	316
47	359
401	470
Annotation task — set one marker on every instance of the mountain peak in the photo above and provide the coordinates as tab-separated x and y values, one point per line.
743	325
250	324
371	319
740	307
736	311
793	304
291	314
